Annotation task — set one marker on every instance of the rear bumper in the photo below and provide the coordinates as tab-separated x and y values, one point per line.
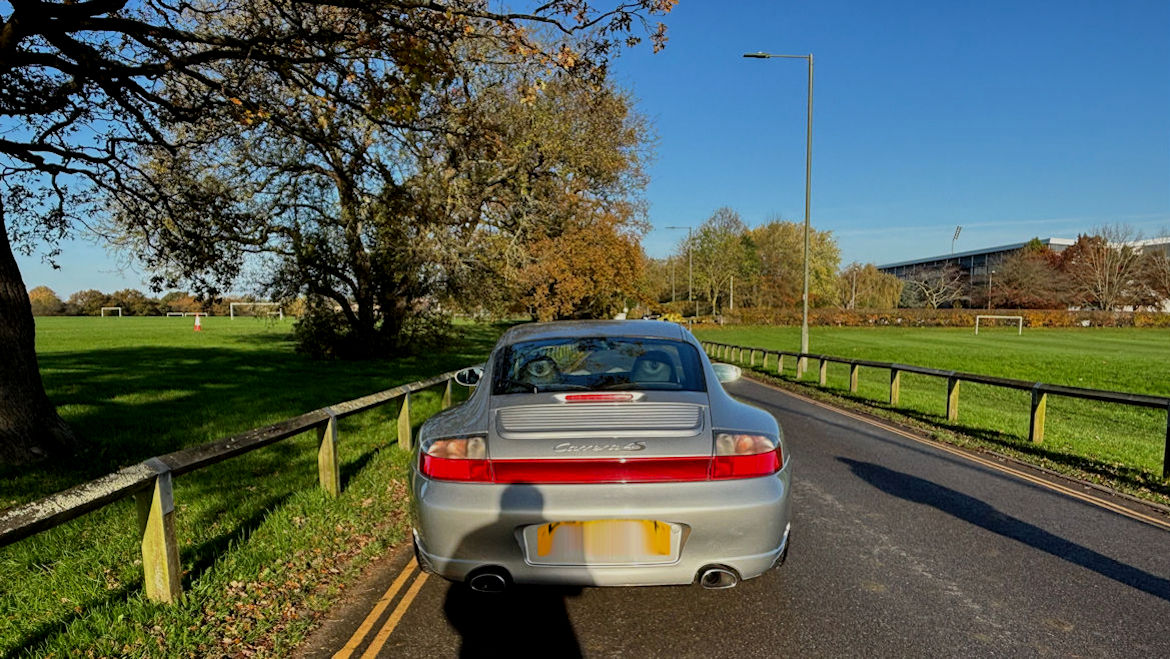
742	524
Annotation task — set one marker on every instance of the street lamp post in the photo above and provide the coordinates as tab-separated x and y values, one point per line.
990	272
802	364
690	270
672	269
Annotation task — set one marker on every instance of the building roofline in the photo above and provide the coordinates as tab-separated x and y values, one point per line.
976	252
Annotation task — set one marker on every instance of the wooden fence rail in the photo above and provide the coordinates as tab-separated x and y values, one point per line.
1039	390
151	481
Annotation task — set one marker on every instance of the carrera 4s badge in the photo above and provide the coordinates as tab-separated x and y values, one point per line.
570	447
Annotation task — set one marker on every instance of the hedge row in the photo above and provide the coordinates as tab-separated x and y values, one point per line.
947	317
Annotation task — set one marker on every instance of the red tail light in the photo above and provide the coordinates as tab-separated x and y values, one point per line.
745	455
737	456
445	469
745	466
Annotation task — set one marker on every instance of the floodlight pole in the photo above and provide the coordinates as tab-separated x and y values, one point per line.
807	194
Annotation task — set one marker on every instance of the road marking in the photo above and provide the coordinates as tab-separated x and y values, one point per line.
395	617
375	613
1088	498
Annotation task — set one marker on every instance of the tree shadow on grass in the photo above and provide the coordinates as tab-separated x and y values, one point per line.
972	510
129	404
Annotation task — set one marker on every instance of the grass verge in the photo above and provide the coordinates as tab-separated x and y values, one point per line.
262	548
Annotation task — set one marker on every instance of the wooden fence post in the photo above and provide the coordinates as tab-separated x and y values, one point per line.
1039	409
160	551
824	372
895	385
404	433
952	398
447	395
853	377
1166	449
764	366
328	466
800	364
752	358
779	363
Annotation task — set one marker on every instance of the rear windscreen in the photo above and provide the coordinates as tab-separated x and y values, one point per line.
597	364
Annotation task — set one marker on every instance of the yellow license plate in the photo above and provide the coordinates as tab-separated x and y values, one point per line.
605	540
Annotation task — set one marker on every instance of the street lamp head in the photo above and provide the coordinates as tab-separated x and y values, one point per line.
759	55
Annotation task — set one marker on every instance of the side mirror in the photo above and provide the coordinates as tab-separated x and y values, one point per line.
727	372
469	377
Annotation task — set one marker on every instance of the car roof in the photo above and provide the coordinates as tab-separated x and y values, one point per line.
590	328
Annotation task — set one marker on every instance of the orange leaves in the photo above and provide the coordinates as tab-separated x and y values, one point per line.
567	58
584	270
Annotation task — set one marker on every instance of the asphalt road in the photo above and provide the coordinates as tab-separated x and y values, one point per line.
900	548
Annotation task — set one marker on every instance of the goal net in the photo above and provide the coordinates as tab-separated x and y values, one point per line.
256	309
111	311
1018	321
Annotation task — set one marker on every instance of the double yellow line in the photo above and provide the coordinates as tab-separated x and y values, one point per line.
379	640
991	464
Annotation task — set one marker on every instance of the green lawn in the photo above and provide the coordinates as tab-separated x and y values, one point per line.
261	546
1098	441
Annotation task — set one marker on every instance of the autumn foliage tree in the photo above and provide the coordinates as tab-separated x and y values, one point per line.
779	246
590	269
721	250
44	302
1032	278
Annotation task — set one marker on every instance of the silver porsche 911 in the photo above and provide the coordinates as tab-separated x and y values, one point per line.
600	453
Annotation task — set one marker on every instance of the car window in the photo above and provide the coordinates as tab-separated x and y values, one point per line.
598	363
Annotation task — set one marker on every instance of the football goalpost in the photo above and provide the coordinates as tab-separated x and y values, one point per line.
279	312
1018	319
111	310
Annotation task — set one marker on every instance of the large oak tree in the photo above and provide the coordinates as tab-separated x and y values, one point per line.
87	86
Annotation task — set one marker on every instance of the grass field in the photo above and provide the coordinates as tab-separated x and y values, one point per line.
261	545
1098	441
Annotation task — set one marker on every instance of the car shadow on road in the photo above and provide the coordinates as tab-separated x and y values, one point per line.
524	620
981	514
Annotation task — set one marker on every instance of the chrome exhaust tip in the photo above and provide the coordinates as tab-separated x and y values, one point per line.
489	580
718	577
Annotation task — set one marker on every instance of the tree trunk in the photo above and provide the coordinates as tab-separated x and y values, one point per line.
30	429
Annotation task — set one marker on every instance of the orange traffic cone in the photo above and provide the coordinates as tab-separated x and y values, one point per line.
198	325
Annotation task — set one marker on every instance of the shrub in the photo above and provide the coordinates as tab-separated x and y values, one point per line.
947	317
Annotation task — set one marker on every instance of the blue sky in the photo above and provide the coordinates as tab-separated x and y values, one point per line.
1013	119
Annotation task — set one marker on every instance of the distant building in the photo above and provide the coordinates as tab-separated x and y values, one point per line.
978	265
974	264
1153	245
